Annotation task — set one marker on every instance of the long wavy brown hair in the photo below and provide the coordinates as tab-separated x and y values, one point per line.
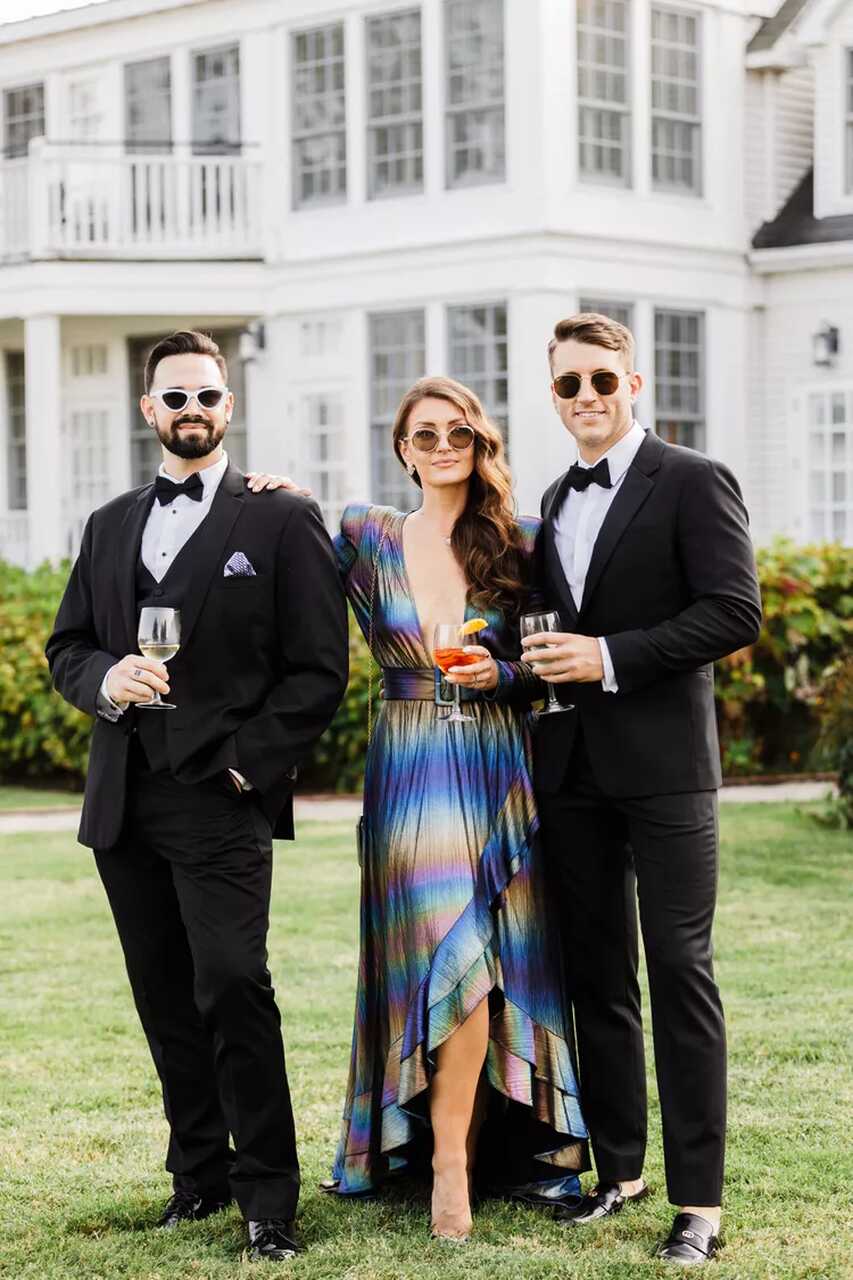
485	539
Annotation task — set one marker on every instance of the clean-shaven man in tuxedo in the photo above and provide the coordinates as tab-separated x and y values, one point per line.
181	805
647	556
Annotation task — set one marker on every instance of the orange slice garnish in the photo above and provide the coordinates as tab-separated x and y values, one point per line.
472	626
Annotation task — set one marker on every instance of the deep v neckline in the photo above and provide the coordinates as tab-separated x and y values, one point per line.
407	587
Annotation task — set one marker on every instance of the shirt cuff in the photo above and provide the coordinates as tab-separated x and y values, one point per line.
608	684
238	777
104	704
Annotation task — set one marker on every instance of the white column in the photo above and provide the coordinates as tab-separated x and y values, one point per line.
540	448
432	44
356	109
43	366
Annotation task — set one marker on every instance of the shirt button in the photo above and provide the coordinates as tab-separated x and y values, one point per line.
158	591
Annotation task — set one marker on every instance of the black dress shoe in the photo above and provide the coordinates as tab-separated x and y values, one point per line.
602	1202
186	1206
272	1240
690	1242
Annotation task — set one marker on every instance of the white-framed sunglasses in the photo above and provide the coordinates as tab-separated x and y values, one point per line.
177	398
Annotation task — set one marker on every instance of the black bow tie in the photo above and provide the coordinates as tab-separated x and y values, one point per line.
581	478
167	490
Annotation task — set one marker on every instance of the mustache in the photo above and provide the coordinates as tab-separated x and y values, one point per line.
191	421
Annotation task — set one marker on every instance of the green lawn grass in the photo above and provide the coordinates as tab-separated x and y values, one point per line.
82	1136
37	798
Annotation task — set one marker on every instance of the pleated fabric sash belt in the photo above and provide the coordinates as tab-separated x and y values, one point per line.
406	684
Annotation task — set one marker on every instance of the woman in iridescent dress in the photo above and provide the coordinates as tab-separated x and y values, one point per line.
460	1016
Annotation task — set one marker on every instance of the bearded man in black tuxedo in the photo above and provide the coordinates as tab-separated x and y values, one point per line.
647	556
181	805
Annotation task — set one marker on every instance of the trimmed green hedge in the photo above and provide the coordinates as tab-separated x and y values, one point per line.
783	704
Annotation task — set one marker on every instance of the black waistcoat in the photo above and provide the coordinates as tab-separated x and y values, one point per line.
151	725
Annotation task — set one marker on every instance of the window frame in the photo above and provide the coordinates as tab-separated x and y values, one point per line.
484	382
695	122
696	422
413	120
301	138
17	151
222	146
143	146
625	179
495	106
828	505
381	421
334	468
16	430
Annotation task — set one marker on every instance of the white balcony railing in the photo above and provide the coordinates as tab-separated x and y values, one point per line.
86	202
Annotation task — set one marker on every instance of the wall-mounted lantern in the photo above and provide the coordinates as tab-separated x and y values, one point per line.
253	341
825	345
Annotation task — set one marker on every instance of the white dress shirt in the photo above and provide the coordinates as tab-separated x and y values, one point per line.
167	530
579	522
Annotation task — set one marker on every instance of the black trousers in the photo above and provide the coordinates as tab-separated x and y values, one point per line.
602	853
189	887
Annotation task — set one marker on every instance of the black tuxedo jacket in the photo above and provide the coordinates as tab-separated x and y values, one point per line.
263	660
672	587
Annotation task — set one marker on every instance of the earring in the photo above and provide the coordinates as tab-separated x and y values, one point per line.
411	469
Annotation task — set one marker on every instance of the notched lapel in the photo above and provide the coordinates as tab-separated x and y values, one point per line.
127	554
209	548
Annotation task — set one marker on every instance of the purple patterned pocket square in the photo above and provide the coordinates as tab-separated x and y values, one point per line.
239	566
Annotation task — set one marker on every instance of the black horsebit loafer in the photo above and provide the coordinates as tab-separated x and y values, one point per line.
690	1242
272	1240
186	1206
602	1202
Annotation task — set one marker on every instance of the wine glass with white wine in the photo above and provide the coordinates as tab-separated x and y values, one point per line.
532	624
159	638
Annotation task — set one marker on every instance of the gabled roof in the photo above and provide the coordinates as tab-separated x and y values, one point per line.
772	28
795	222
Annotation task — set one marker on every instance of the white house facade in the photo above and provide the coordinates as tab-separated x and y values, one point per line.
349	195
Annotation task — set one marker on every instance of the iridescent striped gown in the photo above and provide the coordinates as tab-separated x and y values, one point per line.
452	905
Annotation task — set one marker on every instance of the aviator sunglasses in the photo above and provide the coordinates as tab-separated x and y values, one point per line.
604	382
425	439
177	398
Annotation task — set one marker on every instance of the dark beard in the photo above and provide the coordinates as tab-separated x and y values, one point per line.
191	446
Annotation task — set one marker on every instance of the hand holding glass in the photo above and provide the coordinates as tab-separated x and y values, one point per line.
531	625
159	638
449	651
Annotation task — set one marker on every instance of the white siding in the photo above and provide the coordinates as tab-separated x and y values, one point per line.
757	173
794	129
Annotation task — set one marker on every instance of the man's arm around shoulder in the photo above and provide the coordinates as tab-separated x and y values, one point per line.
312	625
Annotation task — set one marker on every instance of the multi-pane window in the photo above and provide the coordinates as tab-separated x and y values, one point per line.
145	456
395	126
477	355
848	127
87	457
319	116
216	101
16	434
397	359
676	108
474	62
621	312
84	110
679	377
324	458
23	118
88	360
830	461
148	105
604	112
